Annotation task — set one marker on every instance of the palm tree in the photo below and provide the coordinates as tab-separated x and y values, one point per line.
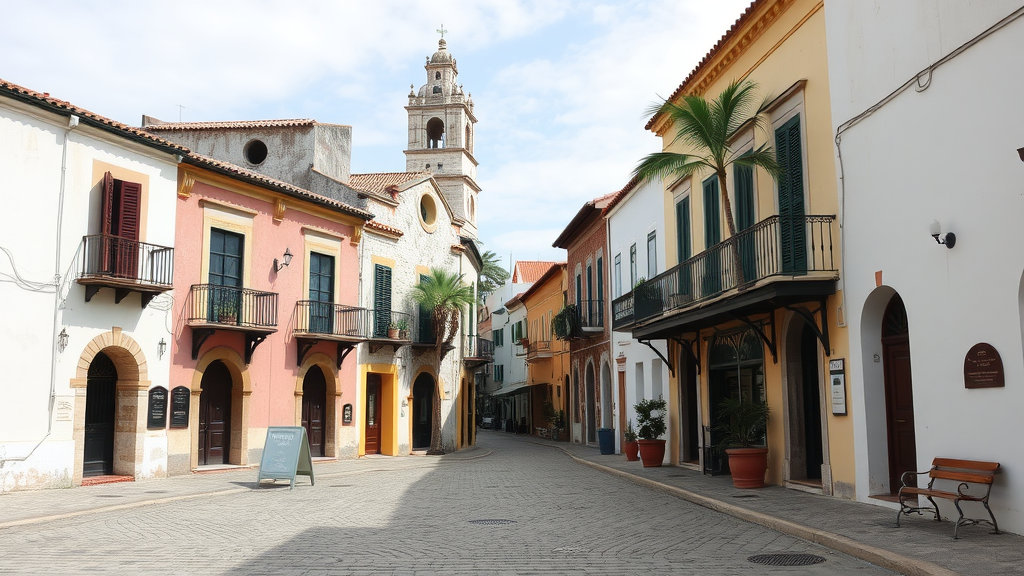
707	128
492	275
444	294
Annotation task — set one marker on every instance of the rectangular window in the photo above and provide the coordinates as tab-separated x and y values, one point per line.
579	290
119	217
226	258
321	293
792	238
684	249
499	373
499	337
652	254
600	280
617	286
590	284
632	267
381	300
744	183
712	280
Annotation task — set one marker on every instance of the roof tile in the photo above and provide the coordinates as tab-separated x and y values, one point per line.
230	124
529	271
382	182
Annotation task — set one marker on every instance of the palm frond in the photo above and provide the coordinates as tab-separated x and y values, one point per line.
762	157
661	165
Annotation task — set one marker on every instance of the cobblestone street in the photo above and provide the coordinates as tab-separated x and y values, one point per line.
505	507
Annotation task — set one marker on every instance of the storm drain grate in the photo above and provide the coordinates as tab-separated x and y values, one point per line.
492	521
786	559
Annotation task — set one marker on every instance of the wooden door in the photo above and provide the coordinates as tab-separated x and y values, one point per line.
215	415
372	428
321	293
314	404
899	392
622	405
422	411
100	410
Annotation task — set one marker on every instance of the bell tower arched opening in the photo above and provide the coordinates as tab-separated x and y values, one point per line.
435	133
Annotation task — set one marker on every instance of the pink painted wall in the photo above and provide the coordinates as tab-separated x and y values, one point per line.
273	370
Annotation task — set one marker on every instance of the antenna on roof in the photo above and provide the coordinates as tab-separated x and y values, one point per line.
180	108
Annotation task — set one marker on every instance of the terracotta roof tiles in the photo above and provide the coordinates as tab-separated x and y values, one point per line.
231	124
382	182
620	195
529	271
374	225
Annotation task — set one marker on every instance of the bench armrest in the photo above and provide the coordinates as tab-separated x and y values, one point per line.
910	478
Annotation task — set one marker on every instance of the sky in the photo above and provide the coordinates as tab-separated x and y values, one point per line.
560	87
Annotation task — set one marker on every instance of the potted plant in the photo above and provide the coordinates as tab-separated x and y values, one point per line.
743	427
650	415
227	310
393	330
403	330
555	418
630	446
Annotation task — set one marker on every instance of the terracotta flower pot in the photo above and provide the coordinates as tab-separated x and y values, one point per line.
748	466
652	452
631	450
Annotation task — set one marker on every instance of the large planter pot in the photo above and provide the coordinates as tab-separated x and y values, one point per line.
631	450
606	440
748	466
652	452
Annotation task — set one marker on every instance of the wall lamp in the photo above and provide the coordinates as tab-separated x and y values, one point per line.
949	239
1020	152
287	260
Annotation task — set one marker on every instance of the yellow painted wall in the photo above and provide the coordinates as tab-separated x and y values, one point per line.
543	302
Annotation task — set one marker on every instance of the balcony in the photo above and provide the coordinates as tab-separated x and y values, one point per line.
324	321
126	266
591	314
538	351
477	351
389	328
211	307
775	262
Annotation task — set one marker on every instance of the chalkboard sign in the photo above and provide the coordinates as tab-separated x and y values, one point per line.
286	455
346	415
180	397
157	408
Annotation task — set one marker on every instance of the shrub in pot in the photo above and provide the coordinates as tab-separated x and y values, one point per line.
743	429
630	447
650	415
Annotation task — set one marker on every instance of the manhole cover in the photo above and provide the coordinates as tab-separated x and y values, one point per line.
786	559
492	521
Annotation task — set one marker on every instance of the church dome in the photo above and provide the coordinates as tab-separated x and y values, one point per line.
442	56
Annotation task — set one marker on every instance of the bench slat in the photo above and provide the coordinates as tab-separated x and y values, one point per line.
962	476
965	464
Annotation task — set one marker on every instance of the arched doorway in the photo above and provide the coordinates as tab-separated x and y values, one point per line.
100	412
591	414
899	391
314	409
422	411
215	415
735	371
805	449
606	397
689	410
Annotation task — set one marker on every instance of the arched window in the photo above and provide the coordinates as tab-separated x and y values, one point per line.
469	140
437	75
435	133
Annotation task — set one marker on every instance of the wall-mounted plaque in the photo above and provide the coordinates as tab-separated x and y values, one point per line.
346	415
837	384
157	408
983	368
180	398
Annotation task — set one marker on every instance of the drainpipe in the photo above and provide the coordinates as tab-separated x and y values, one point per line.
72	124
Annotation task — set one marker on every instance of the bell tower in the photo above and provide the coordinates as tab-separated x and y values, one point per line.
441	132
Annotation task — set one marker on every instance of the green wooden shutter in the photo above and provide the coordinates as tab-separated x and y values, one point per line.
426	320
792	236
381	300
711	282
744	182
683	247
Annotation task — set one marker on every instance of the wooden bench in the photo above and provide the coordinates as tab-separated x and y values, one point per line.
964	472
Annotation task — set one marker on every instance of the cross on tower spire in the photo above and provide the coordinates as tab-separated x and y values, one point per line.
442	31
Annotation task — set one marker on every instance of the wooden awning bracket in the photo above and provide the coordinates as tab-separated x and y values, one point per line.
758	328
344	348
252	340
821	332
688	345
199	335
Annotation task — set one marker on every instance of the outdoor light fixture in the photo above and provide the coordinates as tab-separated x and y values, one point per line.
287	260
161	347
1020	152
949	239
62	340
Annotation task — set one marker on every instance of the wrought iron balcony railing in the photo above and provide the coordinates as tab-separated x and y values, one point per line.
477	347
328	319
537	350
232	306
131	261
591	315
390	324
776	246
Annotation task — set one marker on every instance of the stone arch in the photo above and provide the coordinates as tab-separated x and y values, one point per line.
875	422
241	389
328	367
131	397
435	133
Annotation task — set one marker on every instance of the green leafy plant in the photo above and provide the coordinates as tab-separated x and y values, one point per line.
401	325
743	424
650	415
566	324
555	418
630	433
639	281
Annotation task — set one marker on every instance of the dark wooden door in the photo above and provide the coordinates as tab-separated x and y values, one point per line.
215	415
100	409
422	411
314	404
813	441
899	404
371	432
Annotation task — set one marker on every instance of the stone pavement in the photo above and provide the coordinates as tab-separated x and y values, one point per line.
507	506
866	531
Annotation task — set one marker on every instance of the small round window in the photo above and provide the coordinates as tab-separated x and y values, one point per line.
255	152
428	213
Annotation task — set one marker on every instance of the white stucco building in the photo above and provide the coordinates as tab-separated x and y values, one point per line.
88	241
925	106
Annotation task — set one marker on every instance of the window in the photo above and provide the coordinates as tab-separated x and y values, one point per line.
381	300
712	218
744	184
632	266
600	279
590	283
499	373
652	254
498	336
683	247
617	280
428	213
255	152
579	289
435	129
321	293
426	319
225	293
120	218
793	241
638	382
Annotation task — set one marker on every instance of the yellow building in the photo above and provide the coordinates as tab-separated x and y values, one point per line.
758	316
547	358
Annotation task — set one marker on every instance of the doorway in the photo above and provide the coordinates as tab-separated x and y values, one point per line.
735	371
314	409
422	411
689	410
215	415
371	431
899	392
805	437
100	411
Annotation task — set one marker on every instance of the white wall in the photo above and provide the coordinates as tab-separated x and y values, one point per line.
946	153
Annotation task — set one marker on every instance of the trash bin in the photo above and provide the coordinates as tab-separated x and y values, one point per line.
606	439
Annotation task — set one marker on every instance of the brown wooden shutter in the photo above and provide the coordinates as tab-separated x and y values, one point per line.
128	219
107	208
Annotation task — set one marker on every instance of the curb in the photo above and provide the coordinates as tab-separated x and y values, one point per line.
877	556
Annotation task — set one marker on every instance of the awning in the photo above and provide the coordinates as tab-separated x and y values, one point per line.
511	389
